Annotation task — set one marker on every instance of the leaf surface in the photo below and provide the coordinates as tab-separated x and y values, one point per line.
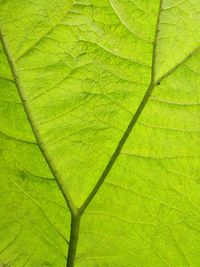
99	120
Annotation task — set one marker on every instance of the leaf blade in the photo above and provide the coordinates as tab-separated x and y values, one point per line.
146	200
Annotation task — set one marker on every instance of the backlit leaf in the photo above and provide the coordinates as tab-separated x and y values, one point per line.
99	133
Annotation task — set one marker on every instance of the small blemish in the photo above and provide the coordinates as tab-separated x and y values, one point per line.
4	264
22	174
47	263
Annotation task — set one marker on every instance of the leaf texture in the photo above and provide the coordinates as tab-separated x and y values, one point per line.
99	133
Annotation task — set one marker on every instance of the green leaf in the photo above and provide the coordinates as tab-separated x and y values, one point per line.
99	133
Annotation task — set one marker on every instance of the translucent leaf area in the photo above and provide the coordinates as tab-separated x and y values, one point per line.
100	133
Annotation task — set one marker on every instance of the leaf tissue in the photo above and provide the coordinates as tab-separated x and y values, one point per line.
99	133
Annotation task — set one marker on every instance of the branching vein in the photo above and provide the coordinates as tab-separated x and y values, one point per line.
131	125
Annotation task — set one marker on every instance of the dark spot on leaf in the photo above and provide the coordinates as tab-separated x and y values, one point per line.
22	174
4	264
47	263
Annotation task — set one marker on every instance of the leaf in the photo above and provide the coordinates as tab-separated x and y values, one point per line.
99	133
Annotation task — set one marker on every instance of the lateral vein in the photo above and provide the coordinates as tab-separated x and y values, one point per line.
41	145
